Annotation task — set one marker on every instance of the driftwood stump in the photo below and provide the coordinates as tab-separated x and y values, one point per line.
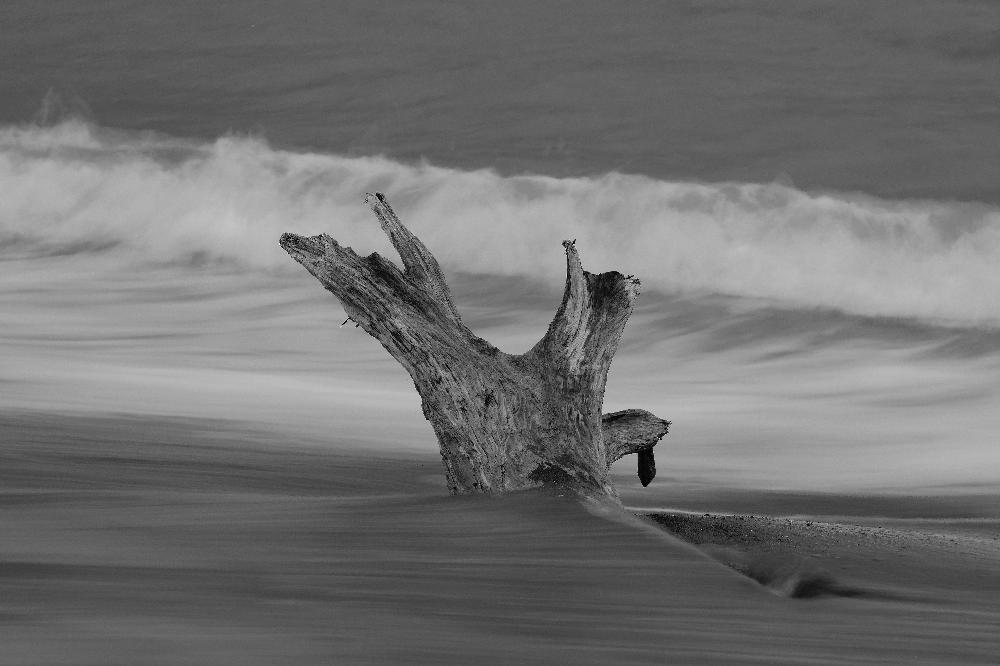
504	422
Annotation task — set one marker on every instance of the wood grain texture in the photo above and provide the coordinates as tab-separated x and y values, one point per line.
504	422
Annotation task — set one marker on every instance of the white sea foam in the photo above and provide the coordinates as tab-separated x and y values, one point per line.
148	198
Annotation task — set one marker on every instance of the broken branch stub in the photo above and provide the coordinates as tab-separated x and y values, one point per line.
504	422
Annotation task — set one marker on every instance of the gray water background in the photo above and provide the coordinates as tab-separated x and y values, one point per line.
797	339
897	99
199	465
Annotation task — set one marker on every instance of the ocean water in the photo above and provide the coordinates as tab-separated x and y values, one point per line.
200	463
807	191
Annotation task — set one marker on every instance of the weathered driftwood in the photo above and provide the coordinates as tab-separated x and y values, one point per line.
504	422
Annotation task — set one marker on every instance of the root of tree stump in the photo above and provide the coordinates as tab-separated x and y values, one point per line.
504	422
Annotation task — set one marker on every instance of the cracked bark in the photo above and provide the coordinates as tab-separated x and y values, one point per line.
504	422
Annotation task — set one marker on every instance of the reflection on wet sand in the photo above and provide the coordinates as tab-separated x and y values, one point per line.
131	540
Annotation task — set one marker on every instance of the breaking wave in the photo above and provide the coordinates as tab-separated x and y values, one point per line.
74	188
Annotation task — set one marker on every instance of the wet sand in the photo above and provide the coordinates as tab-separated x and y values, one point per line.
886	559
133	540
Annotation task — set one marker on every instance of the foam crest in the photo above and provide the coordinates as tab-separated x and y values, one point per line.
147	198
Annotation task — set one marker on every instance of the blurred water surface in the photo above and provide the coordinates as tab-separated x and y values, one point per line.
894	98
180	540
200	463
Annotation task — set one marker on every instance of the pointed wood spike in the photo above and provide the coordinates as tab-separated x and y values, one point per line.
421	267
